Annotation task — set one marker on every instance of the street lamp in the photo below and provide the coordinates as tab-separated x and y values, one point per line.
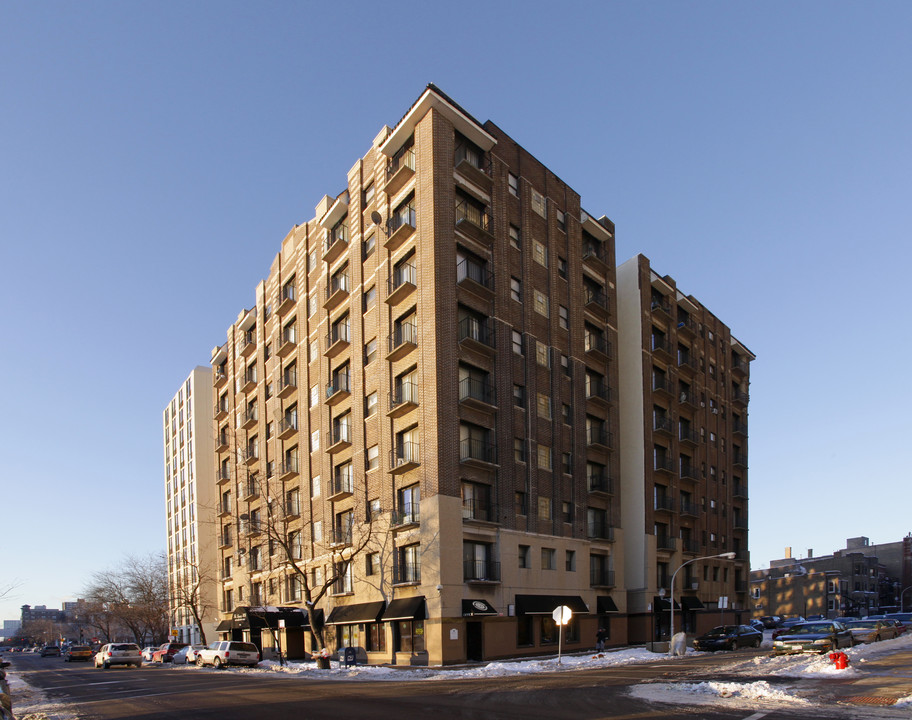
902	605
726	555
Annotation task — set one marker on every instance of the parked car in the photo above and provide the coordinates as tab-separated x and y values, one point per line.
757	624
770	621
819	637
187	655
867	631
50	651
165	653
812	618
118	654
147	652
729	637
228	652
78	652
786	624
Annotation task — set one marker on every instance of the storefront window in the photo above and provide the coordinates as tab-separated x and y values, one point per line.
525	631
411	635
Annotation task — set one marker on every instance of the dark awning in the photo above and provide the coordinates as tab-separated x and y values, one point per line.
227	625
477	607
691	603
547	604
605	604
662	604
268	617
405	609
357	613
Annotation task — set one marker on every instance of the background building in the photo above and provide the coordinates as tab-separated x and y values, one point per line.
423	406
190	505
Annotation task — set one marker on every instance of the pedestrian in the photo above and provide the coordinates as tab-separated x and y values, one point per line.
600	638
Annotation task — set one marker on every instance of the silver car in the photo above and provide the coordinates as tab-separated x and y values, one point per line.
118	654
228	652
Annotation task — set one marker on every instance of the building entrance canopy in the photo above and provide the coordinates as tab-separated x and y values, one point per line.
546	604
477	607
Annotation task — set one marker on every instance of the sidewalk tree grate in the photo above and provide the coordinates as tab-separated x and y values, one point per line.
871	700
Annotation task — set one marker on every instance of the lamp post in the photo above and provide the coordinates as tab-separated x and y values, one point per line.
671	632
902	605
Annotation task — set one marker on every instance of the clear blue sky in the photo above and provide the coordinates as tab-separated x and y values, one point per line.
153	156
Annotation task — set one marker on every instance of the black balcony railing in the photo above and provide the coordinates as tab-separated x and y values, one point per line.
402	216
406	453
601	577
404	393
480	570
663	502
476	389
341	382
478	509
596	296
477	329
597	435
407	573
596	343
600	530
476	449
593	250
599	482
478	216
407	514
339	333
342	484
470	270
342	434
402	334
402	275
403	159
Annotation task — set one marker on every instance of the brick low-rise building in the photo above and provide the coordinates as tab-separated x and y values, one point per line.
424	403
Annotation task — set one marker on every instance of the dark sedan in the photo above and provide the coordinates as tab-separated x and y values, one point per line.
821	637
729	637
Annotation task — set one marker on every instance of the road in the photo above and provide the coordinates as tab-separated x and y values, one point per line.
160	692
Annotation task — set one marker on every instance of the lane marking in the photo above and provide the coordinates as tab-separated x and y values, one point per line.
756	716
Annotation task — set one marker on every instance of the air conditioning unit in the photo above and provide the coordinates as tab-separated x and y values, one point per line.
715	411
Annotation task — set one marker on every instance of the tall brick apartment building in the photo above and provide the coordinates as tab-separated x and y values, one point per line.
429	379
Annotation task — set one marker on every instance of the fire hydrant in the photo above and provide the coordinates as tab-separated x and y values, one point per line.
840	659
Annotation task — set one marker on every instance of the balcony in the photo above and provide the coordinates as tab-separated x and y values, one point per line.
688	436
661	348
476	333
341	487
404	458
600	530
475	278
664	465
594	254
474	166
399	171
336	291
600	483
339	389
690	546
739	367
288	383
479	510
601	577
288	341
740	428
598	437
474	222
341	438
250	419
249	382
403	399
666	542
288	470
663	426
740	398
664	504
219	377
403	283
660	306
340	537
688	397
739	459
225	542
739	522
406	516
220	412
476	392
597	300
690	508
598	392
688	473
402	341
223	475
337	340
476	451
687	326
336	243
739	490
687	365
400	227
480	571
248	342
662	385
288	427
221	442
407	574
252	457
286	299
597	345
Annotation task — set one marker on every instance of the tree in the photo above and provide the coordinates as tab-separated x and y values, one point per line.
189	585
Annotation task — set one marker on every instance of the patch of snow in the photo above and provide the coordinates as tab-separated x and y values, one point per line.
709	693
31	703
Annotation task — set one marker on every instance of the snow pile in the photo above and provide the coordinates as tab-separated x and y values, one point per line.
706	693
30	703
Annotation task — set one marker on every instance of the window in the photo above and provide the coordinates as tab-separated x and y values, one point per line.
515	237
368	197
312	305
567	465
372	564
567	414
370	404
369	245
542	355
315	441
544	457
540	253
373	509
541	304
513	184
312	261
519	396
409	567
519	450
372	458
570	561
523	556
516	289
314	350
561	220
315	487
370	351
519	503
409	501
544	508
543	406
563	317
538	203
517	342
547	558
370	297
314	395
562	267
476	502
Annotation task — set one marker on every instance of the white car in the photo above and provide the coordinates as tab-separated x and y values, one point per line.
147	652
118	654
187	655
228	652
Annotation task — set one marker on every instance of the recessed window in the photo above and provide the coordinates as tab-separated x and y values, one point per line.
370	404
563	317
543	406
372	458
561	220
540	253
542	355
515	237
370	297
538	203
369	245
517	342
542	304
519	450
523	556
547	558
544	461
370	351
516	289
368	194
519	396
513	184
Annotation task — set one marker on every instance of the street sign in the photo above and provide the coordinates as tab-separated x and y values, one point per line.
562	615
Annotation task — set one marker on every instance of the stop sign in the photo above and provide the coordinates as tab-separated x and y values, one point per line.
562	615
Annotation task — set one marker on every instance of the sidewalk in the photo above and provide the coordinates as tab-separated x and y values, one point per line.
879	682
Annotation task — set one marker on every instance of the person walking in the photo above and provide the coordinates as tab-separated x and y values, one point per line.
600	638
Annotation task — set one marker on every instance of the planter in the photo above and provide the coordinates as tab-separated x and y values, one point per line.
322	663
